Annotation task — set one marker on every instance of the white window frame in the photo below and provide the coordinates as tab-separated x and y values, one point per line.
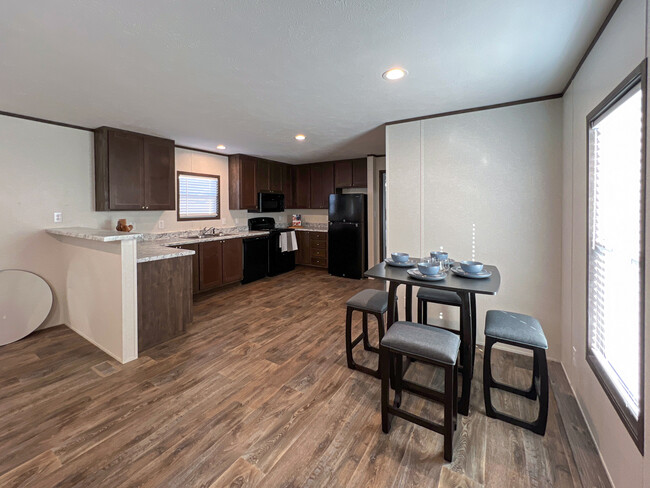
180	217
632	418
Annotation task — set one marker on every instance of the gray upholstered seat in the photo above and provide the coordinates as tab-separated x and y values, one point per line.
422	340
515	327
370	301
439	296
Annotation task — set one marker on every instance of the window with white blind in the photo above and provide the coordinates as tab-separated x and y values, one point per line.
198	196
615	255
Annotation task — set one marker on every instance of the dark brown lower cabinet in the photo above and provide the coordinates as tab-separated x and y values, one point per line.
233	261
220	263
303	255
210	264
318	249
312	248
164	300
195	265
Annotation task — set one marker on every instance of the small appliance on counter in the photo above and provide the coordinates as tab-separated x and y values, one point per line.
347	235
278	261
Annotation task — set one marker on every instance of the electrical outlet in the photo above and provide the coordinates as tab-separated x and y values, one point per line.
161	224
58	217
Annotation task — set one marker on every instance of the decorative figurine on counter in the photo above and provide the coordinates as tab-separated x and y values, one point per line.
122	227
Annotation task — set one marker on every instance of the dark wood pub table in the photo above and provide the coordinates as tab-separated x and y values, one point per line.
466	288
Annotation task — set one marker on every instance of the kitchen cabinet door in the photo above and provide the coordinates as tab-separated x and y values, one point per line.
125	171
262	176
360	173
327	184
196	285
159	174
211	264
233	261
303	255
248	189
302	189
288	186
322	184
343	174
316	185
276	171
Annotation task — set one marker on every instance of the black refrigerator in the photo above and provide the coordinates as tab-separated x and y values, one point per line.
347	235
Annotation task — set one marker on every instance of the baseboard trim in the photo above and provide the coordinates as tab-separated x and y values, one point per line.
557	372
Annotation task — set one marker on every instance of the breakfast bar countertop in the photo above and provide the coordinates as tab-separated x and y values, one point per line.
156	249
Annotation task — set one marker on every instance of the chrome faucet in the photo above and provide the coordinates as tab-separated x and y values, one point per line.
208	230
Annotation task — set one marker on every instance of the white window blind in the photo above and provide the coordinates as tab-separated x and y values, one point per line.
615	252
198	196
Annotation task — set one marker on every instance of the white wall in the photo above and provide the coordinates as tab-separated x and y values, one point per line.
618	51
47	168
500	170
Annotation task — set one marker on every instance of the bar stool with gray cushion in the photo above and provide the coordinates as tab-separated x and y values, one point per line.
526	332
427	344
451	299
373	302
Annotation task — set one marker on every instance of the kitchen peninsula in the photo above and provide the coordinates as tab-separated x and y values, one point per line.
127	293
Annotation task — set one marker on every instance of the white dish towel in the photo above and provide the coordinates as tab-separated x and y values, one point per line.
292	244
284	244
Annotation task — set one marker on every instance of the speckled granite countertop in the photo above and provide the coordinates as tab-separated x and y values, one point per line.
310	229
93	234
156	249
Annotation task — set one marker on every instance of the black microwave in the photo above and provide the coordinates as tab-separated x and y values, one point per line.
269	201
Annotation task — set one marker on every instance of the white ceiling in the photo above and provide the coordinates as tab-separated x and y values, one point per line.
252	74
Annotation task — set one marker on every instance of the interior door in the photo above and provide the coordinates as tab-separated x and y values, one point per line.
126	171
159	174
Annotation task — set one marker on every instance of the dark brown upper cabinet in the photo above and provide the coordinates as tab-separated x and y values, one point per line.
242	189
302	186
351	173
343	173
276	172
263	175
359	173
133	171
322	184
288	185
248	175
159	163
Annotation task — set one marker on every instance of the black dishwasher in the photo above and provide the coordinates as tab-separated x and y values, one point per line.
256	258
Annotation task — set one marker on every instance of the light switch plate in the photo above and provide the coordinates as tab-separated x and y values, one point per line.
161	224
58	217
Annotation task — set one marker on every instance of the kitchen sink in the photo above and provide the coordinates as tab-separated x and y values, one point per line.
208	236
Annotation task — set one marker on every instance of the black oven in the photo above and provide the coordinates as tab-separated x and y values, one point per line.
269	202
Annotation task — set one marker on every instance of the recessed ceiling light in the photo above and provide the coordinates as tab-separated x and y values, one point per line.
394	74
221	146
300	137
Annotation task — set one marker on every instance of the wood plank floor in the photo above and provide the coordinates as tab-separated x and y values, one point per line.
257	393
